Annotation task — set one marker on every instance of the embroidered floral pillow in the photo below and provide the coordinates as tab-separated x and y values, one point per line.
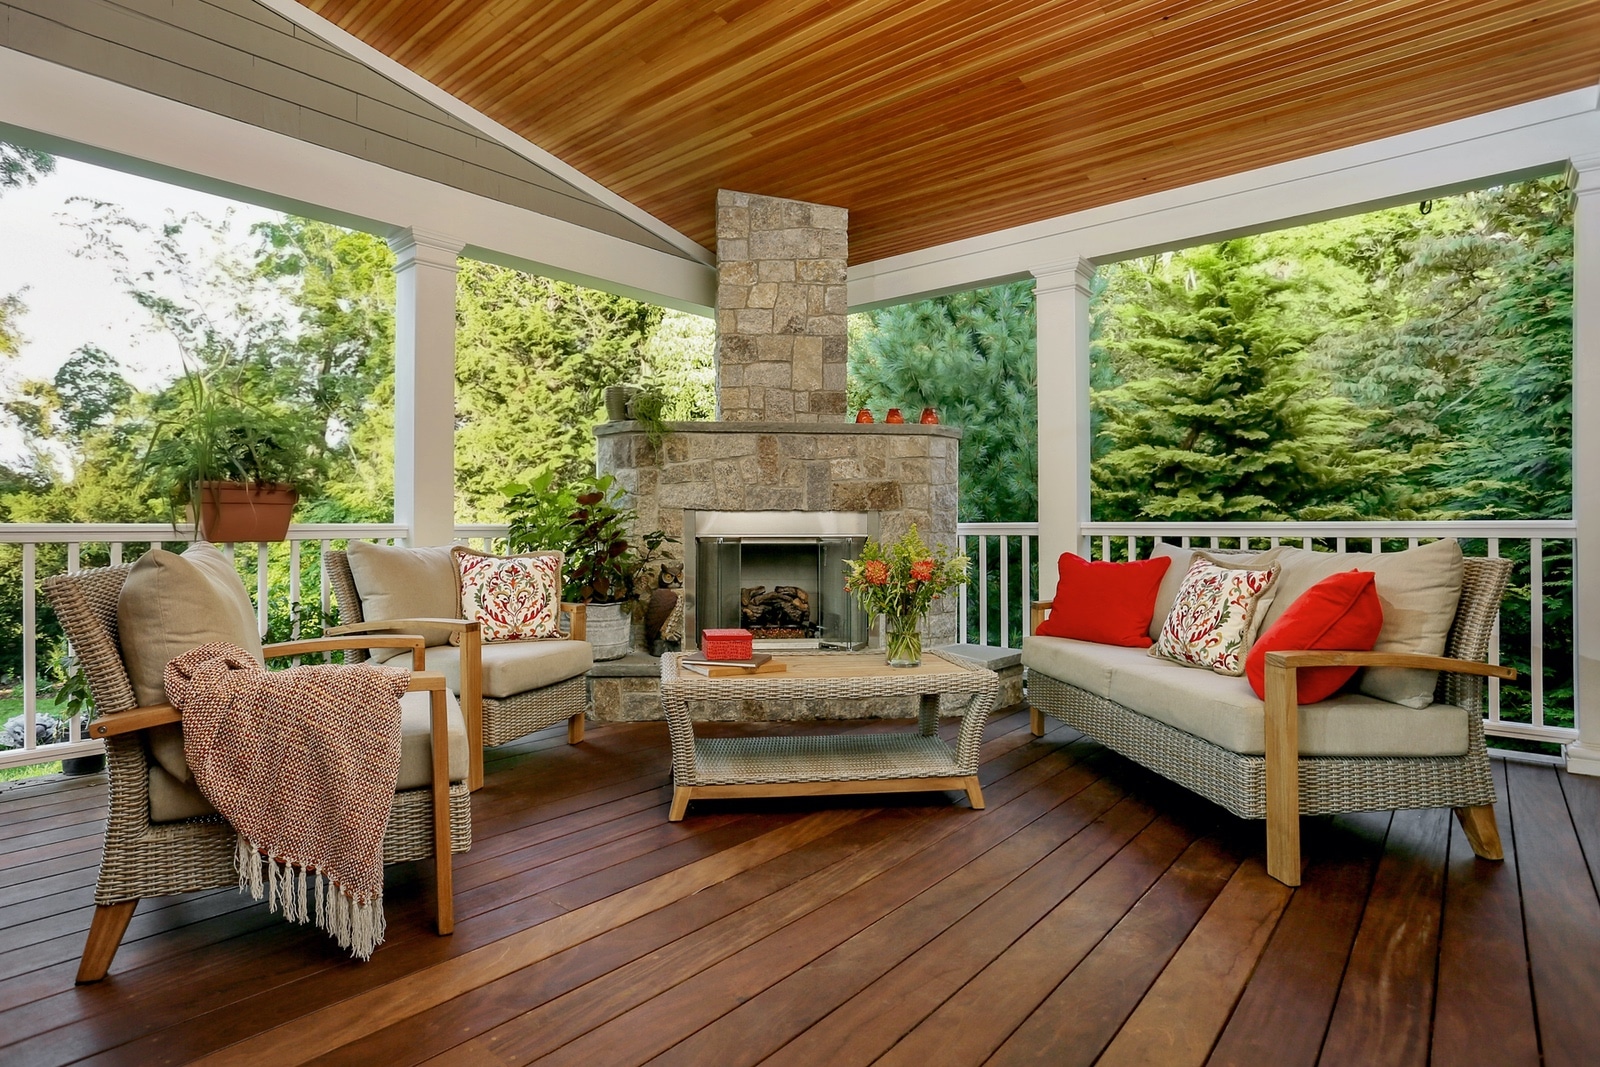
512	598
1217	612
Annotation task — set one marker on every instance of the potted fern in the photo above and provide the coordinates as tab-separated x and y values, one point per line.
231	464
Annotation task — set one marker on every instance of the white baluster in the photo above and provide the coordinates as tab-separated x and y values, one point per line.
1494	644
1536	627
1027	586
1005	591
30	651
983	589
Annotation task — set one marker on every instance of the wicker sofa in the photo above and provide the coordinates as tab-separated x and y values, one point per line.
1275	760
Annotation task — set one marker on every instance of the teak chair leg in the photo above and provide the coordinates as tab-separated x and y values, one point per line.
443	873
1282	734
575	729
1482	832
1036	722
105	935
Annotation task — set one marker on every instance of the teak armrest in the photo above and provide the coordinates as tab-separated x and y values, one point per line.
1282	734
393	626
580	621
1294	660
116	723
1039	608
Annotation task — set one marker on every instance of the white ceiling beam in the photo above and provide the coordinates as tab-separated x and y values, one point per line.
99	121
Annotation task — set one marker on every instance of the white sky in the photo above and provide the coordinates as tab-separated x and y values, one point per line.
75	301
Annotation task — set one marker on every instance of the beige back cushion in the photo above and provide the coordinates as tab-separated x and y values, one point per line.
405	583
169	605
1419	589
1167	595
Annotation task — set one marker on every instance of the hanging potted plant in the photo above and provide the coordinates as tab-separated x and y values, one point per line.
231	465
586	521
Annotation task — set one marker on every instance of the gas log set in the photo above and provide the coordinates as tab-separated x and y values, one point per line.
784	612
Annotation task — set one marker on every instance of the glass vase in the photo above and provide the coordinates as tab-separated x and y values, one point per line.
902	642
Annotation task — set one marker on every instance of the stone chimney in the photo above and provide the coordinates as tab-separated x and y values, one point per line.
782	347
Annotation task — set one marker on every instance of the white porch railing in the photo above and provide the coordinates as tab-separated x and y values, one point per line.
1544	710
55	548
992	609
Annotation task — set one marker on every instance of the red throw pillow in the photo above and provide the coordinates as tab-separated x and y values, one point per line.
1339	613
1107	603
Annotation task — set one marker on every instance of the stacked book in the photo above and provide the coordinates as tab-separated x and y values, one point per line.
717	663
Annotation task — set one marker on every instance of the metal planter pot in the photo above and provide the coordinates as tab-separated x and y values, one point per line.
609	630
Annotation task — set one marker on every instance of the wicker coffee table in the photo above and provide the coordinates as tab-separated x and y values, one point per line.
848	763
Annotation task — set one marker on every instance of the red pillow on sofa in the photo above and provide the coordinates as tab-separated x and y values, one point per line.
1107	603
1340	613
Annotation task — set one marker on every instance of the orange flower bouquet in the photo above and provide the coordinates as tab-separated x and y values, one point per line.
900	582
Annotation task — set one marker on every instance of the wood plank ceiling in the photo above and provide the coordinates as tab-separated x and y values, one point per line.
942	119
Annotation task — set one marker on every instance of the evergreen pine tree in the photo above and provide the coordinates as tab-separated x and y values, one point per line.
1220	415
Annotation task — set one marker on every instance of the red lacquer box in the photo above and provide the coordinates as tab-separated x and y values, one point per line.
727	644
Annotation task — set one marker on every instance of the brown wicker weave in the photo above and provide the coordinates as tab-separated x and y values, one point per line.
1328	785
144	859
767	766
504	718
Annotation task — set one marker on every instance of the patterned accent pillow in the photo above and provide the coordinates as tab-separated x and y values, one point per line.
512	598
1216	614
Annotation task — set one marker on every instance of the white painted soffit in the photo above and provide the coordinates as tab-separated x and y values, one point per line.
1516	142
364	53
85	117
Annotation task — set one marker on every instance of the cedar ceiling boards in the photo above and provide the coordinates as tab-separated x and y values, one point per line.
943	119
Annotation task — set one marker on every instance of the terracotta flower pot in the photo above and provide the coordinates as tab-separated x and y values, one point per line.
235	512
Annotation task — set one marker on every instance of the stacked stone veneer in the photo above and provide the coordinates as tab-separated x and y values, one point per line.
782	348
907	474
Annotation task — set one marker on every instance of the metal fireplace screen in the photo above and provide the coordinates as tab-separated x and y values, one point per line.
787	590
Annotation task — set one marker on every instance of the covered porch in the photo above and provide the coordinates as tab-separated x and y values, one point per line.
1092	913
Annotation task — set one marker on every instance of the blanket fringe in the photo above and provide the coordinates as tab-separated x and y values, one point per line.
304	895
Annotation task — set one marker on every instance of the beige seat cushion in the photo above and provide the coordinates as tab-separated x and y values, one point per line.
1172	581
513	667
169	605
405	583
1224	711
171	800
1419	589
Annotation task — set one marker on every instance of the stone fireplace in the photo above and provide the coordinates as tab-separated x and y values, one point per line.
783	451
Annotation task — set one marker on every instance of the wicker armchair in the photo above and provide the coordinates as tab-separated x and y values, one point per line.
141	858
494	716
1282	784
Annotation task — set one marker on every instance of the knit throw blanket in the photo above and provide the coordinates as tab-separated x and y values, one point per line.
303	764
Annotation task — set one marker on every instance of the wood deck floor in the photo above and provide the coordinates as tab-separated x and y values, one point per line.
1092	914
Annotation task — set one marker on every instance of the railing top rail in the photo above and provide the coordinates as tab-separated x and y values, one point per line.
977	528
60	532
482	529
1556	528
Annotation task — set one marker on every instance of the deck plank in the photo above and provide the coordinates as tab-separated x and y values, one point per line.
1178	1020
1385	1004
1308	951
845	930
1081	969
1561	913
1485	1003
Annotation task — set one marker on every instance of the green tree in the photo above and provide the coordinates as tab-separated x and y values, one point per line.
1220	415
532	359
970	357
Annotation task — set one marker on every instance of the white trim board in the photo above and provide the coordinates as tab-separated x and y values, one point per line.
1529	139
402	75
84	117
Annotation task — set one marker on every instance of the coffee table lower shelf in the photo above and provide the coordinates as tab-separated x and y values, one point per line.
814	766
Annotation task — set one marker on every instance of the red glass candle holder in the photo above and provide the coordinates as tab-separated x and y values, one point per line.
863	415
894	416
930	417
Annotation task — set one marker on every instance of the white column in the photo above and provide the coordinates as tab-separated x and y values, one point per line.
1583	756
1061	298
424	384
